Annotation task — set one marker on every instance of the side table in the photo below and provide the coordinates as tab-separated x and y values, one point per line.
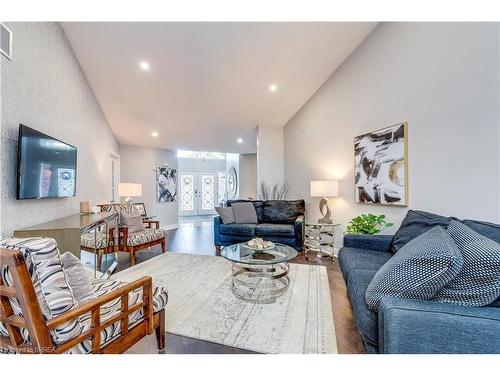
319	239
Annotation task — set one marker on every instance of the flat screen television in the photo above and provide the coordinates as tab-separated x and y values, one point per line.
46	167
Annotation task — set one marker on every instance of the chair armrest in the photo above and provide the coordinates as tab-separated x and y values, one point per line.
299	231
217	223
93	307
151	222
369	242
408	326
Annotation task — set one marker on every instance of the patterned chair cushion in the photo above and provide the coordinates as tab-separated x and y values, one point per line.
101	287
49	280
145	236
89	240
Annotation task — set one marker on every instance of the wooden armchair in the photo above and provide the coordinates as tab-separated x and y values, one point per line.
30	332
133	242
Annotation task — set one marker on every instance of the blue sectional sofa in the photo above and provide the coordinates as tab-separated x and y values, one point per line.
278	221
410	326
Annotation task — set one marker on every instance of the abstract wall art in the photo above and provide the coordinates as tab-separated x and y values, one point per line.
166	184
381	166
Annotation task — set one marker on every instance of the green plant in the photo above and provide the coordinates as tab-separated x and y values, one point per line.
368	224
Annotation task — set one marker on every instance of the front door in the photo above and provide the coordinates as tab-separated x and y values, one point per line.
198	193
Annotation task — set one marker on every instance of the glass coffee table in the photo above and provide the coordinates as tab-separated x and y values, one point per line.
259	276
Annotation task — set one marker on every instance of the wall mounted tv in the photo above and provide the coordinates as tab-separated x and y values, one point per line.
46	167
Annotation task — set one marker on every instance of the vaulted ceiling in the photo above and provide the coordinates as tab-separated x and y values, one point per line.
208	84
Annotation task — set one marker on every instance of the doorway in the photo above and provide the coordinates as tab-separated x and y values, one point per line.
199	193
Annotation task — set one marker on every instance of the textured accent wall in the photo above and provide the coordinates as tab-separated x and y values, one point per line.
440	77
45	88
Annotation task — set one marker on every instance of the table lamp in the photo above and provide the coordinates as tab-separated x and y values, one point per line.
324	189
129	190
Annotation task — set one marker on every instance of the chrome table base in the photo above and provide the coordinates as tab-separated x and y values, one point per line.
260	284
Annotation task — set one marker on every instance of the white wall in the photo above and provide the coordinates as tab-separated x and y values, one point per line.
208	165
248	176
137	166
443	78
44	87
270	157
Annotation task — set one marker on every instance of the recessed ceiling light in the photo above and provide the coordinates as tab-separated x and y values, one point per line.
239	140
154	134
273	88
144	65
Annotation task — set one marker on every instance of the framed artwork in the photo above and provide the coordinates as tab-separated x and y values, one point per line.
141	207
166	184
381	166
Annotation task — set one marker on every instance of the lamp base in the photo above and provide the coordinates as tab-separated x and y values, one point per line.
325	211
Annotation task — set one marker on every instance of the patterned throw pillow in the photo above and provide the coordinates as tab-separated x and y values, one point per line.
478	283
418	270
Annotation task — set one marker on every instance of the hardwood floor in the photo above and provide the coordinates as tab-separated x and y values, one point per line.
199	240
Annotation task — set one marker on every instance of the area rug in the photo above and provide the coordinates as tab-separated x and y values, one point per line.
201	305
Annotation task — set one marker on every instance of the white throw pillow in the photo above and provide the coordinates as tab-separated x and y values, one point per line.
132	220
78	280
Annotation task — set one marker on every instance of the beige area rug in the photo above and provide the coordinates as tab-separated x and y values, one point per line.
201	305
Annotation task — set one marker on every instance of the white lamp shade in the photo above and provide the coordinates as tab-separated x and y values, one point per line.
324	188
126	189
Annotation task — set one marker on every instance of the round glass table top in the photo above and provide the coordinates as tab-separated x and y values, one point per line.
241	253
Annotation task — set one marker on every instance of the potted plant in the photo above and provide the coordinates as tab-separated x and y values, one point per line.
367	224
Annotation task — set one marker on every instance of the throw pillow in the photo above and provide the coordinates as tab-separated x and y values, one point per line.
478	283
77	278
419	270
226	214
244	213
414	224
132	220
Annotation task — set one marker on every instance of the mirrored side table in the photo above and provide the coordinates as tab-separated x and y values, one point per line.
319	241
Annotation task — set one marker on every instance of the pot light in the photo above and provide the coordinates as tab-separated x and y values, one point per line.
239	140
273	88
154	134
144	65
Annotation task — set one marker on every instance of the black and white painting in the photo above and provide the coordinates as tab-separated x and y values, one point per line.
381	166
166	184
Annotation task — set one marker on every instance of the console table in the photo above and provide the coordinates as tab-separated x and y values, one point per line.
67	232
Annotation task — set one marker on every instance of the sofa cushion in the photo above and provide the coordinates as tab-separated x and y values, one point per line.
78	279
418	270
267	229
351	258
244	213
414	224
259	207
226	214
366	320
238	229
478	282
283	212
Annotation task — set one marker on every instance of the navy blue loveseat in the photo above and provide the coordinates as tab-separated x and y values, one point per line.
409	326
278	221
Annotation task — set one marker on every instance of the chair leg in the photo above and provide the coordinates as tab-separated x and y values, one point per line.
160	332
99	259
163	249
132	256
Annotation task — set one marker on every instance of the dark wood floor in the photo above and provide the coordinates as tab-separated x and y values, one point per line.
199	240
